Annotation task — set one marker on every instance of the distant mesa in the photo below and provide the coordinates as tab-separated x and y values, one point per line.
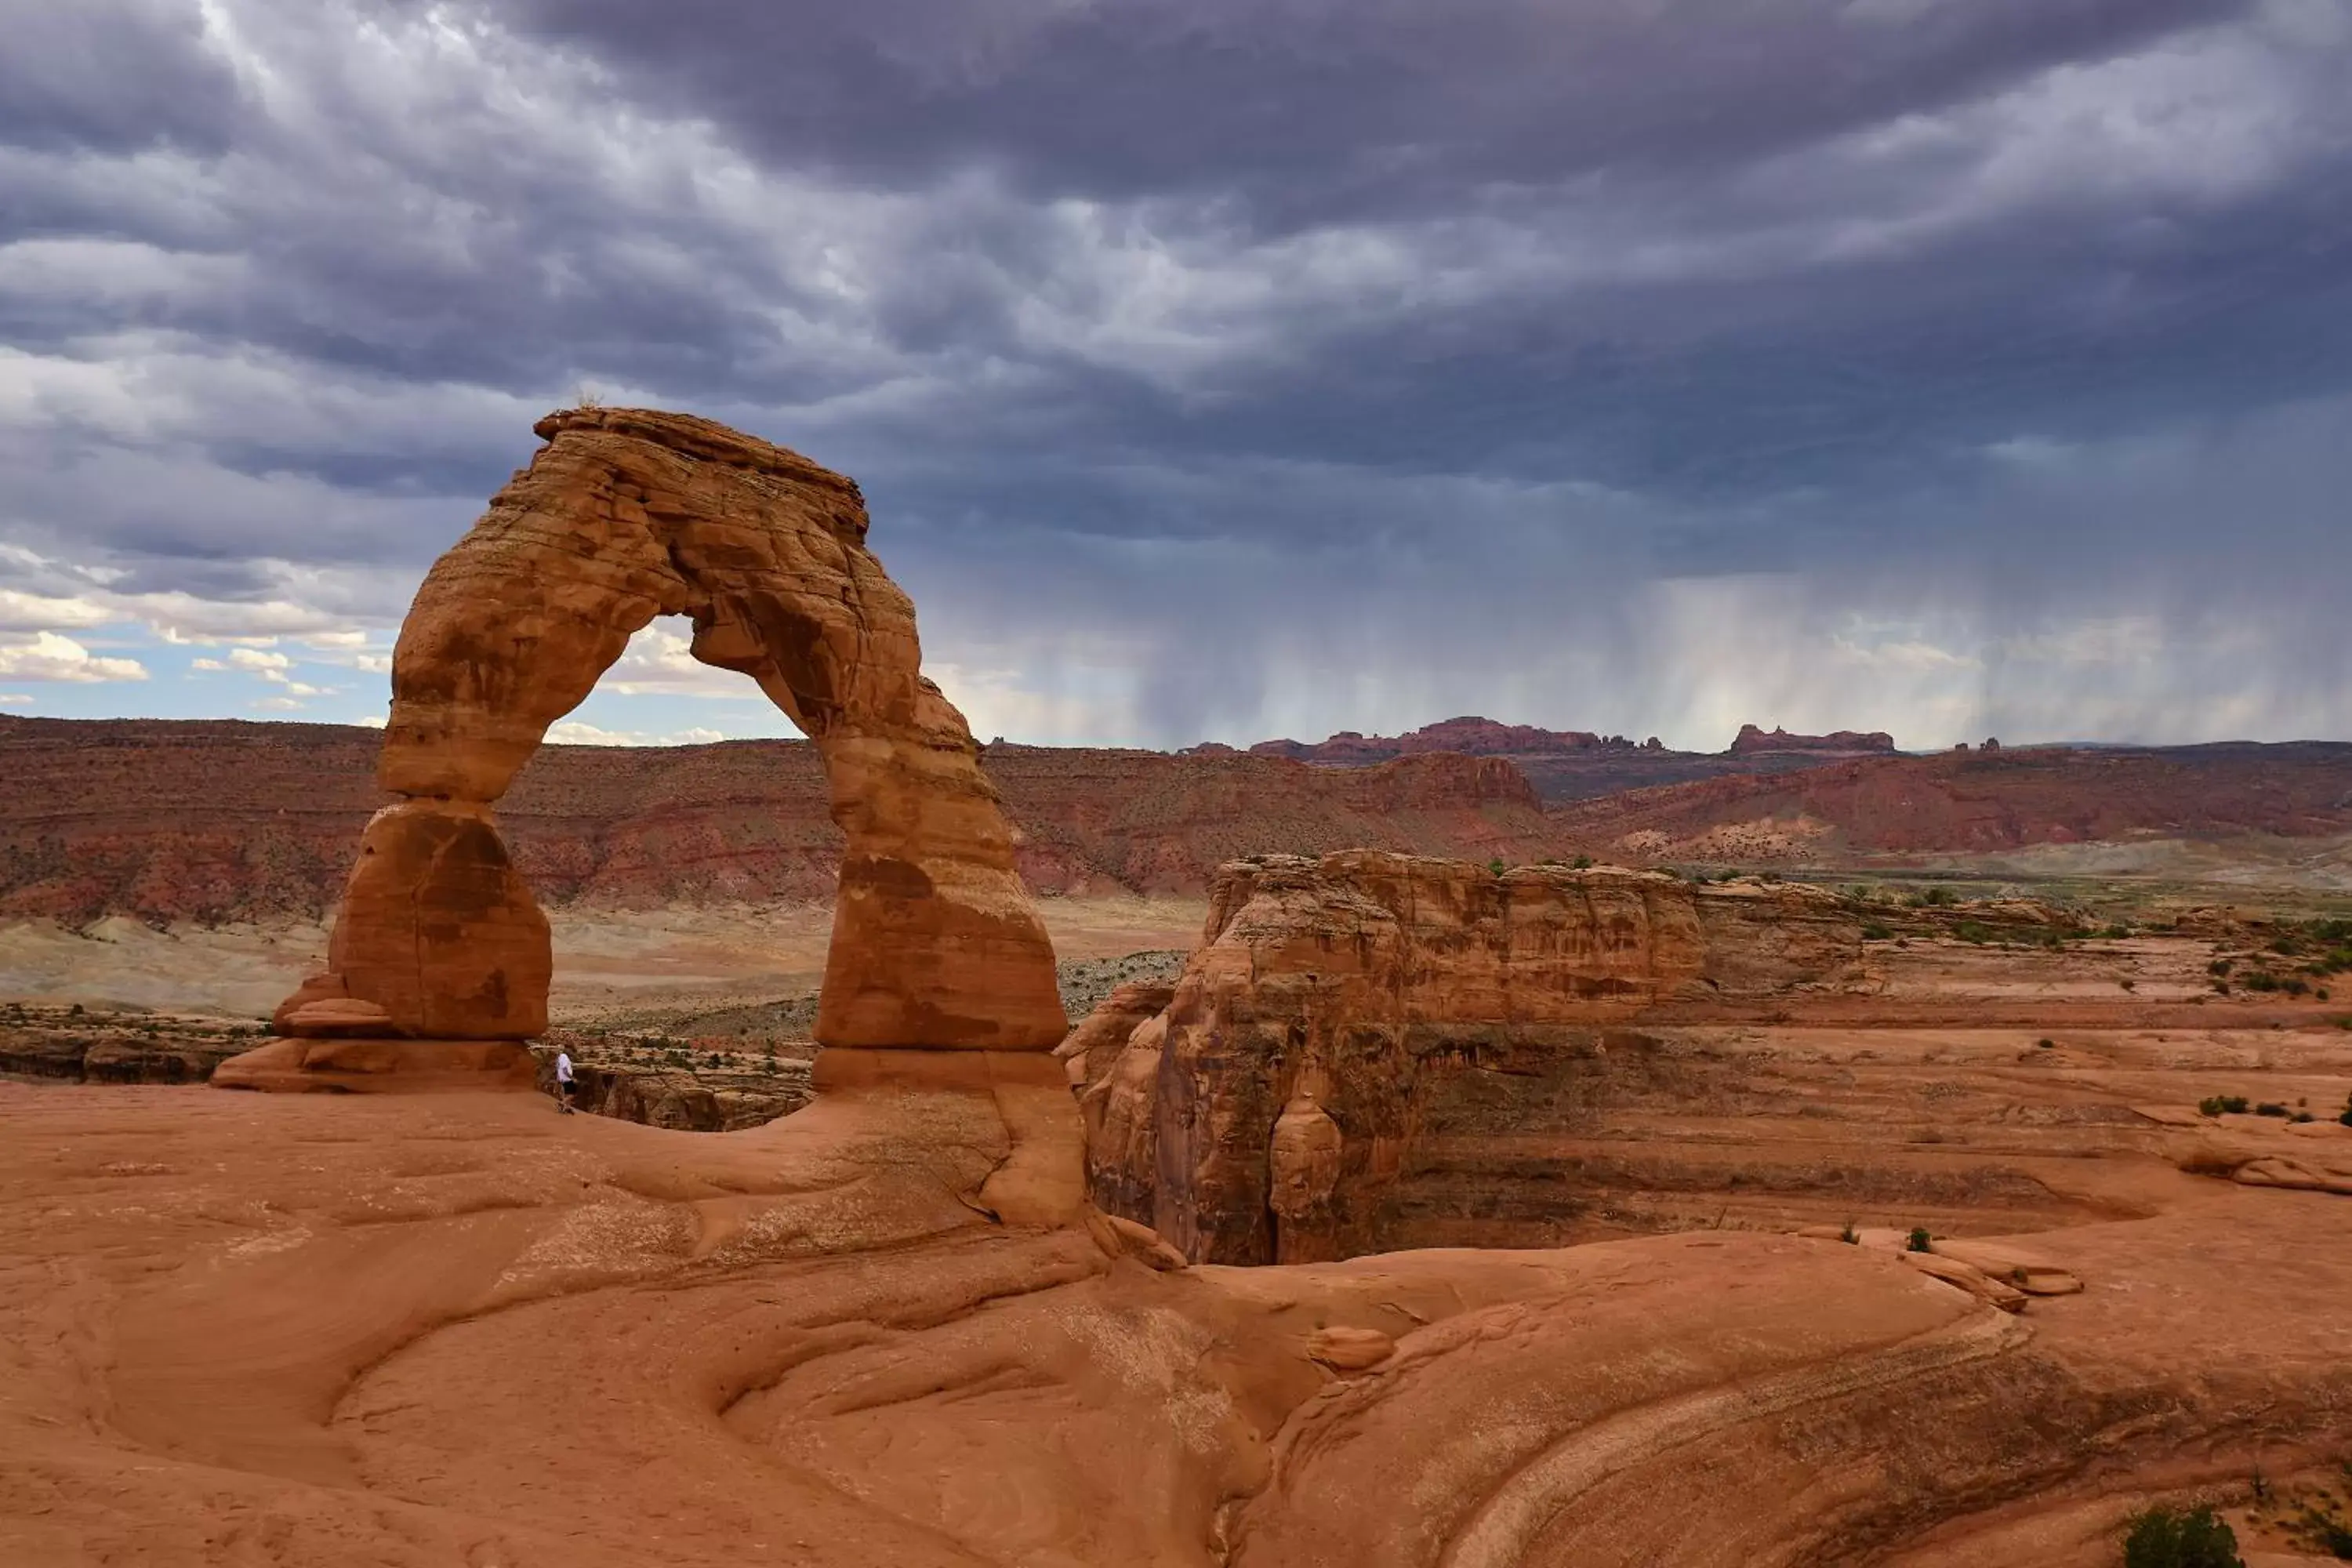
1841	743
1470	736
1473	736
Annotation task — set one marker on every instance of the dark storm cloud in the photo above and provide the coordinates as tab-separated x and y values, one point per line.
1311	108
114	77
1214	354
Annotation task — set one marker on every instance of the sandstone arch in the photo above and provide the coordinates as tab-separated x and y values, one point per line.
624	515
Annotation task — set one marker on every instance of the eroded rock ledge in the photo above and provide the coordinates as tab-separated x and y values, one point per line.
1266	1111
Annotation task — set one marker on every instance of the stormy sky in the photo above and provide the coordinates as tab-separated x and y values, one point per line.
1219	370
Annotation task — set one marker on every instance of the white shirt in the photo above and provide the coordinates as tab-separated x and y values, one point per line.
563	1067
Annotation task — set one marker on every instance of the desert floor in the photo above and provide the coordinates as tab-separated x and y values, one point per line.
241	1329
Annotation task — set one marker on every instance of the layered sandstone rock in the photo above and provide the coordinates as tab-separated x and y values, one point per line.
624	515
1840	742
1269	1109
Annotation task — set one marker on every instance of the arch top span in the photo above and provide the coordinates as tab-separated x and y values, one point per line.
626	514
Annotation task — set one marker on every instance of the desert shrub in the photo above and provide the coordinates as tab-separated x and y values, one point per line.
2047	1044
2271	1108
2221	966
1496	864
2115	932
1920	1240
1970	931
1874	931
2261	980
2193	1538
1850	1236
2128	984
1940	899
2215	1104
1581	863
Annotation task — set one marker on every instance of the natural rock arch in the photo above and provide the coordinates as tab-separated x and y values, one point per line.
624	515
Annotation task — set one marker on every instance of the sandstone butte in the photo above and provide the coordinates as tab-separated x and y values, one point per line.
1354	991
622	516
895	1328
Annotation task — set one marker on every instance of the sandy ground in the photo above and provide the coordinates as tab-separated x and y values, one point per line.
604	959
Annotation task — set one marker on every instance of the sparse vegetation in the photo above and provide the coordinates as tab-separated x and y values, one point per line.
2271	1108
2192	1538
1850	1236
1581	863
2218	1104
1495	865
1920	1240
1875	930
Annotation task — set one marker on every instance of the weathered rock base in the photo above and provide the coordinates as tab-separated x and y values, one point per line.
1042	1178
380	1066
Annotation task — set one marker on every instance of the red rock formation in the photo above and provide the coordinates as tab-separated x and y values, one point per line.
1470	736
624	515
216	820
1266	1112
1840	743
1960	802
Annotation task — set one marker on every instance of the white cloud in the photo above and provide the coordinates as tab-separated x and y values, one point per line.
265	664
277	705
372	721
22	612
660	662
16	696
46	656
577	732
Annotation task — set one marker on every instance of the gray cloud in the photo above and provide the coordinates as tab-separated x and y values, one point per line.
1219	369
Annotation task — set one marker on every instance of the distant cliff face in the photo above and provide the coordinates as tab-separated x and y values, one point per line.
209	820
1750	741
1269	1109
1470	736
1575	764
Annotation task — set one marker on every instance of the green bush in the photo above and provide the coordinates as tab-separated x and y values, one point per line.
1872	930
2196	1538
1970	931
2215	1104
1920	1240
1496	864
1581	863
2269	1108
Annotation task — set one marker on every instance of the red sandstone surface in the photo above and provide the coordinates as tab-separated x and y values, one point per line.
888	1329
